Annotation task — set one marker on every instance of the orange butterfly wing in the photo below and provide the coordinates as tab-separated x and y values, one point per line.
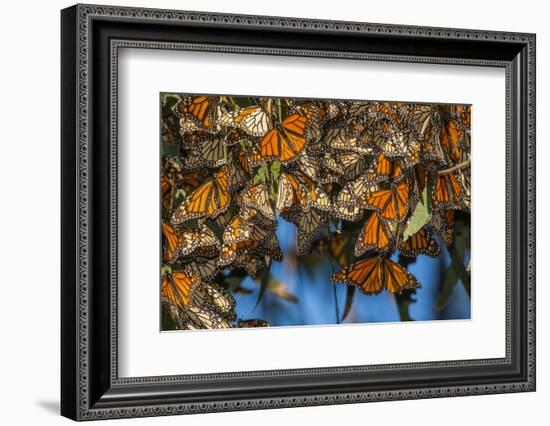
386	168
448	191
201	107
178	287
208	200
173	242
421	242
375	234
393	203
396	278
364	274
285	141
374	274
450	136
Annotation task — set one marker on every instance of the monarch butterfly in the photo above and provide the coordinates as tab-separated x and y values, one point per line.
344	138
392	138
430	142
375	274
315	114
168	190
172	243
239	229
242	237
187	242
348	212
269	247
348	164
240	170
253	120
257	197
420	243
420	177
289	193
385	168
448	191
392	203
375	234
464	114
178	286
330	175
419	117
175	180
252	323
235	136
209	149
307	165
208	200
314	195
284	142
207	244
214	298
196	318
206	269
360	188
301	192
309	224
451	135
443	222
170	130
334	246
197	113
249	261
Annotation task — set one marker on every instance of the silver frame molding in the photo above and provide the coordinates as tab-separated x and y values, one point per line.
91	388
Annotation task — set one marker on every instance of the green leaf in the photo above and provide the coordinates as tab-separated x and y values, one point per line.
264	280
420	217
168	322
171	150
275	170
349	300
261	174
404	300
447	287
171	101
457	270
245	144
457	252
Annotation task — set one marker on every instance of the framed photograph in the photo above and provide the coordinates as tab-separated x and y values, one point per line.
263	212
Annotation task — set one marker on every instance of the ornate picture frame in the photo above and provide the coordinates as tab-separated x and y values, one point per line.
91	37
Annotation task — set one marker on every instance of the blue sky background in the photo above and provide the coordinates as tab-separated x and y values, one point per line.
315	293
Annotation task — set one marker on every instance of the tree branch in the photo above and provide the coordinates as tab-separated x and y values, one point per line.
455	167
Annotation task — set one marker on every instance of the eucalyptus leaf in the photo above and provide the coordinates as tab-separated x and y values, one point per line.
457	271
165	269
447	287
171	100
420	217
275	170
350	292
404	300
264	280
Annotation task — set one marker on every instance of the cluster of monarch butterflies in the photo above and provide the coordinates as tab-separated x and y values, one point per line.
231	166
